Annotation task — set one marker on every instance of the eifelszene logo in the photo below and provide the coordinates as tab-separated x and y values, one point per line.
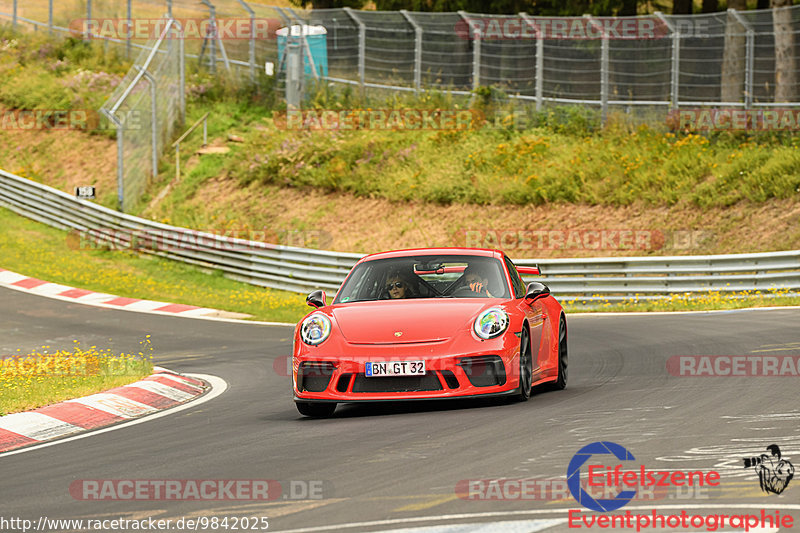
606	479
774	473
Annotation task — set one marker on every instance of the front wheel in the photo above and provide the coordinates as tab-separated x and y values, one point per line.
561	382
525	367
315	409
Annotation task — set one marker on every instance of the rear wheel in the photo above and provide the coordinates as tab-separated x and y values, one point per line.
316	410
525	367
561	382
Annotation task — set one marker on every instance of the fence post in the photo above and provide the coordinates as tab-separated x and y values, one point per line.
169	8
294	72
675	72
153	118
128	35
252	44
210	40
50	16
88	17
539	59
603	69
475	36
182	72
748	61
14	15
120	158
417	49
362	46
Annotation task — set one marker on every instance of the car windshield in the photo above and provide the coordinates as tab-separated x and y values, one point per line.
426	276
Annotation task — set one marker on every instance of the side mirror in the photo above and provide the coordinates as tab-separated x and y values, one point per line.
536	290
316	299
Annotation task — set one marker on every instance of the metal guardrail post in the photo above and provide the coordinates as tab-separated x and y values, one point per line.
749	57
539	59
675	61
475	37
417	49
362	47
169	8
251	54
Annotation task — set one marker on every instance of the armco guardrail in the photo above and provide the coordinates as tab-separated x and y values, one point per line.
303	270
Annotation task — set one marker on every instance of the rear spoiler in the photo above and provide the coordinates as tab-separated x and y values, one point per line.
531	271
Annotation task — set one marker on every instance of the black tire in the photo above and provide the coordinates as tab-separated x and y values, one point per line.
563	358
315	409
525	367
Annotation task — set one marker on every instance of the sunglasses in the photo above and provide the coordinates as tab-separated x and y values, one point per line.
395	285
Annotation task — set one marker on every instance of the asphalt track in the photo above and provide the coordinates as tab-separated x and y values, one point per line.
397	466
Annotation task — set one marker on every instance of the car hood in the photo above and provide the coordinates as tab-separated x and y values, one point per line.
406	321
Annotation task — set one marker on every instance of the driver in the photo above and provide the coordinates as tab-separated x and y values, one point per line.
477	280
397	286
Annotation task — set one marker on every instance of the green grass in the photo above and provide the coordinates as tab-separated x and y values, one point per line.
40	378
39	251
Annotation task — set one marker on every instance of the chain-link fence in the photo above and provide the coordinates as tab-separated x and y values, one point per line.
742	59
145	108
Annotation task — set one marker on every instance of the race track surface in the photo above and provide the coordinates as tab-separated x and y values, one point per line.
398	466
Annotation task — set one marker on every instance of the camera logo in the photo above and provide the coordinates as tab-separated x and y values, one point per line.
774	473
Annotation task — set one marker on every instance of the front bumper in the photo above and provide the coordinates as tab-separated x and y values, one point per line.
492	370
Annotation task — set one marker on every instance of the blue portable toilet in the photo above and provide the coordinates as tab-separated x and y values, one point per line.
317	39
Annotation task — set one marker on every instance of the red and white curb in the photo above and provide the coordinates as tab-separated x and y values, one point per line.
162	390
12	280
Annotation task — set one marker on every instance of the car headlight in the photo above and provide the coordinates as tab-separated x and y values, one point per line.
315	329
491	323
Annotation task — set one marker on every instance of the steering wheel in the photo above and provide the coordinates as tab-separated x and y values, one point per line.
464	292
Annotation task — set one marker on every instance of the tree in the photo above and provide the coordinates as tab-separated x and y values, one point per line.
785	74
710	6
682	7
733	56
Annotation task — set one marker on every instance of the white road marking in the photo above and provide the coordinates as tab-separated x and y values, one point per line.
163	390
37	426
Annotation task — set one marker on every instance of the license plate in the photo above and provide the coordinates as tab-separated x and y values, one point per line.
395	368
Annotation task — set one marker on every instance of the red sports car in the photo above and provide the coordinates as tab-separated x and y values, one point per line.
429	324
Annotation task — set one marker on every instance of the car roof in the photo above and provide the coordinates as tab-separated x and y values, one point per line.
411	252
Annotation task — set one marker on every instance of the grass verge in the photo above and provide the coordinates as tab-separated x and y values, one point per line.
41	378
39	251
